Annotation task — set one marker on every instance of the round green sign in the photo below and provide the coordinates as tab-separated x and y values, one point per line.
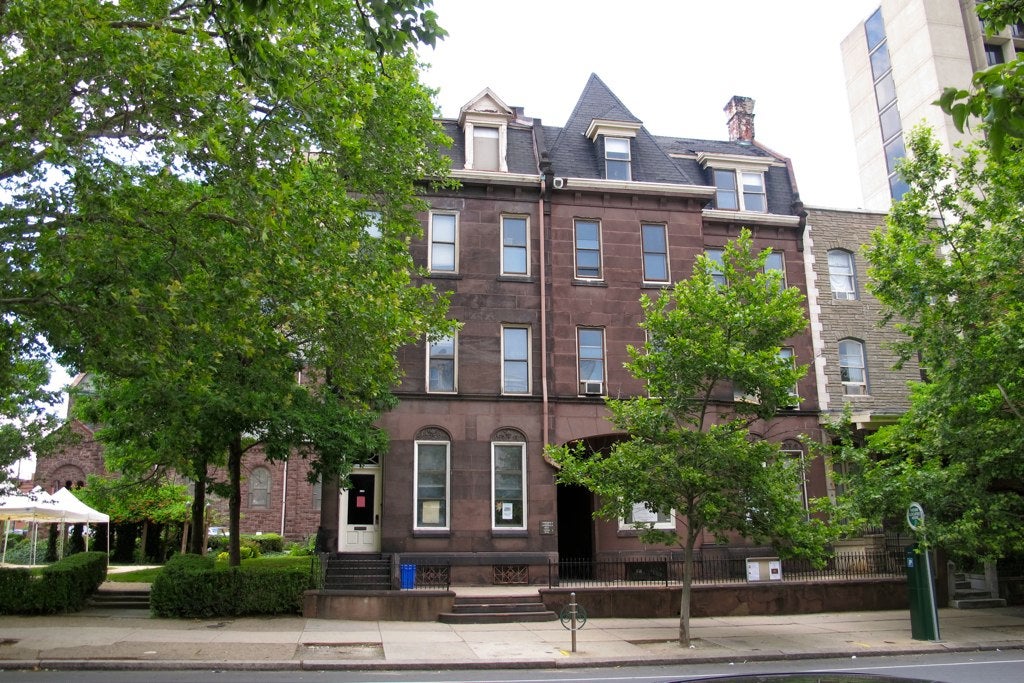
915	516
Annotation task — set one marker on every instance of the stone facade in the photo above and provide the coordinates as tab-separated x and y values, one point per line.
834	319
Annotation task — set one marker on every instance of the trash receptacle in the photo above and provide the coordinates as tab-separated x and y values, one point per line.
408	576
923	618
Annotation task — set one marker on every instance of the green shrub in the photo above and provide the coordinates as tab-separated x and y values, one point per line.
267	543
307	547
199	588
61	587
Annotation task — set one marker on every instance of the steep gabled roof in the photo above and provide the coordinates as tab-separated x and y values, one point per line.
573	154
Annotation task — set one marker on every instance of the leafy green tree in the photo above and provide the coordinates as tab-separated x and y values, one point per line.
204	198
947	268
689	451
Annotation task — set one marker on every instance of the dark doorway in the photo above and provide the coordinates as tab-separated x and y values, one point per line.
575	531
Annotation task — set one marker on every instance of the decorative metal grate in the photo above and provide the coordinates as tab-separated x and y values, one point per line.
506	574
433	576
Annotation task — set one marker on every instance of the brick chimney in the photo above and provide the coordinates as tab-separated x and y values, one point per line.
740	111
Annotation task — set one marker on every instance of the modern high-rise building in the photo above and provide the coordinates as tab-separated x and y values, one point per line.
897	63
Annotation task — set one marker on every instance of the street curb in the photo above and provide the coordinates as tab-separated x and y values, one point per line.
568	663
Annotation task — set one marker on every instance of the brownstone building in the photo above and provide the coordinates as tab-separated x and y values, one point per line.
547	246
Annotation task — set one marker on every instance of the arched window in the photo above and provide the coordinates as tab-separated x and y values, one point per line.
852	367
432	479
842	274
259	488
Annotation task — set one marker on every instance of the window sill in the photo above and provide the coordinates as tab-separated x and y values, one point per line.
509	533
588	283
517	278
436	275
655	285
431	533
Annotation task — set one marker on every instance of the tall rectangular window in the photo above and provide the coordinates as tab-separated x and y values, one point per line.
588	249
655	247
617	159
786	353
590	354
841	274
441	365
852	370
776	262
718	273
754	198
726	196
515	366
443	242
432	484
485	148
514	246
508	468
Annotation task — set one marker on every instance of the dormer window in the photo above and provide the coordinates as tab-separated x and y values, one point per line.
485	120
740	190
617	159
485	148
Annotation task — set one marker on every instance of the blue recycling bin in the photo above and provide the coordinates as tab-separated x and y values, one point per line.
408	576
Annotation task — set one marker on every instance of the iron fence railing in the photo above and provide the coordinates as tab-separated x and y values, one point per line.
666	570
433	576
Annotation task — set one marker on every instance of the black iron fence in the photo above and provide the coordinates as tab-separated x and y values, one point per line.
718	569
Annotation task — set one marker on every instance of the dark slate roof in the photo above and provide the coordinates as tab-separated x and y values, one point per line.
521	157
574	155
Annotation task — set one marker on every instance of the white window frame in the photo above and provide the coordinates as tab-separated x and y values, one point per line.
524	247
493	133
498	508
253	490
432	242
798	456
454	360
658	521
576	249
505	360
445	525
603	359
850	387
741	192
836	275
781	269
616	159
790	353
717	255
662	255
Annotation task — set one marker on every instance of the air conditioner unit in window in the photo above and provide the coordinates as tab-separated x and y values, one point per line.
592	388
846	295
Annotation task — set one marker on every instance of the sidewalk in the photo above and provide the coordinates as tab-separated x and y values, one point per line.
109	639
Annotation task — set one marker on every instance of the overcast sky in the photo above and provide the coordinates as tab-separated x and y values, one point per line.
674	64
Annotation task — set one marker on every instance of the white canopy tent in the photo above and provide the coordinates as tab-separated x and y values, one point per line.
38	506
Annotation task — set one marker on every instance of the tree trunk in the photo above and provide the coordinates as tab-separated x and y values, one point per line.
684	601
197	535
234	500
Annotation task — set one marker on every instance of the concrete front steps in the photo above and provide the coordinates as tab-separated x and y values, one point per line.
108	597
497	609
965	596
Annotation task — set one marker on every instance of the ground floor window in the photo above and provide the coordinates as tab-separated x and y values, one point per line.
432	484
508	467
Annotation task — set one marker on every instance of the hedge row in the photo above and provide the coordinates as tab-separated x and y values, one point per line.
61	587
261	543
192	586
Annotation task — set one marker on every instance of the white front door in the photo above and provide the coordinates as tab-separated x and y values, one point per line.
360	512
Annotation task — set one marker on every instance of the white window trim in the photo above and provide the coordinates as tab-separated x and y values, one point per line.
643	253
625	525
252	488
494	500
628	160
851	276
781	271
600	251
447	486
529	360
526	247
604	360
863	367
430	242
455	369
799	456
502	127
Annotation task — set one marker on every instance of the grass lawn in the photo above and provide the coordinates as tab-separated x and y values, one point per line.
266	562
